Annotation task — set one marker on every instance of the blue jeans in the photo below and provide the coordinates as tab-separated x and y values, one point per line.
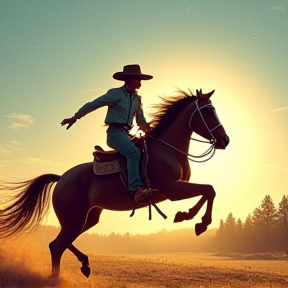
120	141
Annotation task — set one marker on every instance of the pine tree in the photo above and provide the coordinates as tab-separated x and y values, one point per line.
219	238
230	228
239	236
264	221
282	223
248	235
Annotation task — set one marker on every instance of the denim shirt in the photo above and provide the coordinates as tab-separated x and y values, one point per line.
120	108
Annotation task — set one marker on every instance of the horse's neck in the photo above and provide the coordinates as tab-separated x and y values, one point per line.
178	133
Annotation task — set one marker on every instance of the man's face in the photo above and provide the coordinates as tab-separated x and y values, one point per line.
133	82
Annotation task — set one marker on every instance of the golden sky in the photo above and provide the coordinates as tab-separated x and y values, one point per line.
55	57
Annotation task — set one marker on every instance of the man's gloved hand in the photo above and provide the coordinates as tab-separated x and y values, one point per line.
145	127
69	121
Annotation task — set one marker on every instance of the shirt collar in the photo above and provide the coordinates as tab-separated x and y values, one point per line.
125	89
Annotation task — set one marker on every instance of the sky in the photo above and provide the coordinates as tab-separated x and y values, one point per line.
57	55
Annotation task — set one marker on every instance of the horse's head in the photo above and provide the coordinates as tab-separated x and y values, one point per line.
205	122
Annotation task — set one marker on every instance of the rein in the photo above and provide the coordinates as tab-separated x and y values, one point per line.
211	150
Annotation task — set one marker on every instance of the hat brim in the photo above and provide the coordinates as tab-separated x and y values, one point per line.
122	76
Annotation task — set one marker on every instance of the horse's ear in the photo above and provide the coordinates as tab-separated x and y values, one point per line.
210	93
200	95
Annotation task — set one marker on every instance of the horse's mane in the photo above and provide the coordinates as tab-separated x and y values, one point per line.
166	111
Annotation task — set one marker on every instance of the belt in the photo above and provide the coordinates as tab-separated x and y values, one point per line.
123	126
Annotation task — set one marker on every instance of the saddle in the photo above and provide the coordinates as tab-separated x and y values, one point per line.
110	162
107	162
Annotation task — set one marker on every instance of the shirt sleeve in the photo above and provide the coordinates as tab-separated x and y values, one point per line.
108	99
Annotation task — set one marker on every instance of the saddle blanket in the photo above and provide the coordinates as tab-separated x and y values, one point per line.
105	168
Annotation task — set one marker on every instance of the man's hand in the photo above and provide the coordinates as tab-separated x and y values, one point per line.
69	121
145	127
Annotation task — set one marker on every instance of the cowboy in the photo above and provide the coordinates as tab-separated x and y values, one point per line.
123	104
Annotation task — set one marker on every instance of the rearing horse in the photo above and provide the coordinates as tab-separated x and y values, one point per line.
80	196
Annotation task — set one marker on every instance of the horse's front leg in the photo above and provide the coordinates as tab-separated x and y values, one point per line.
180	190
181	216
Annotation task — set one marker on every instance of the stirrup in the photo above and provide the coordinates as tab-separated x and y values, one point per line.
150	203
143	194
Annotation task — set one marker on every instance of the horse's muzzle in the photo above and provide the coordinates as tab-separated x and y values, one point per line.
222	143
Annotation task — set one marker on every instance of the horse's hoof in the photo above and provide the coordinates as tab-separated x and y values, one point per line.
53	277
86	271
54	274
180	216
200	228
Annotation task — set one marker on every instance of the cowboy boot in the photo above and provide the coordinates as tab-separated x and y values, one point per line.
142	194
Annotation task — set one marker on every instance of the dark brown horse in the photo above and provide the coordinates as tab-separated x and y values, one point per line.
80	196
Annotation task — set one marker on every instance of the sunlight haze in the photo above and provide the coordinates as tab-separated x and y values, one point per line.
57	55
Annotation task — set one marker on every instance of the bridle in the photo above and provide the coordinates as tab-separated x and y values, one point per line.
211	150
198	109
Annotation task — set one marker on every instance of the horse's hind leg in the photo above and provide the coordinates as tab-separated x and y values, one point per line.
83	258
92	220
70	230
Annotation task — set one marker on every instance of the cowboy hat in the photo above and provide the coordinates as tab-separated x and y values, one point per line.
131	70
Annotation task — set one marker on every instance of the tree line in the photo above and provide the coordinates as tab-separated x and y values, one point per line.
265	230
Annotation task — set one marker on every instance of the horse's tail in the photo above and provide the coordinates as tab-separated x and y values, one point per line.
28	206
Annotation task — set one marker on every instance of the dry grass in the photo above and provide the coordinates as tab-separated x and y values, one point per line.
28	265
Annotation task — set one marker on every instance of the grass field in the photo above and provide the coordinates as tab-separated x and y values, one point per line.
30	268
